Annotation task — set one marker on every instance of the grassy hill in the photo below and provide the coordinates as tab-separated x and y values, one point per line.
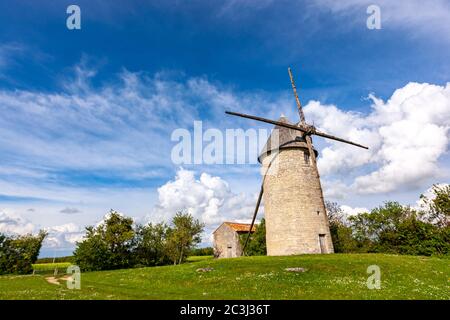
337	276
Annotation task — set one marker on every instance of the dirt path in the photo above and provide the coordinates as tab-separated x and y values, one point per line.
54	280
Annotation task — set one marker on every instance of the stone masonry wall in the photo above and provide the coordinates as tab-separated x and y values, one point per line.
224	237
293	205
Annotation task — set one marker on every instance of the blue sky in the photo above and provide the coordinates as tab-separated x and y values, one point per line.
87	114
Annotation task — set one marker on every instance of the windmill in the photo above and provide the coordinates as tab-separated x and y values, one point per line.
296	220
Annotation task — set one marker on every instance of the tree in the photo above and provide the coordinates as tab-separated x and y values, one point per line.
341	232
376	231
17	254
150	244
334	213
256	245
183	236
107	246
92	253
438	206
118	234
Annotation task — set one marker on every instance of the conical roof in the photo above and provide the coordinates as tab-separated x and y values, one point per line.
287	138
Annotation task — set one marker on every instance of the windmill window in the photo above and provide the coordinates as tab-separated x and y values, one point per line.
318	212
306	157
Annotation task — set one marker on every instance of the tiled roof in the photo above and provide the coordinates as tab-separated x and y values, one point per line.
240	227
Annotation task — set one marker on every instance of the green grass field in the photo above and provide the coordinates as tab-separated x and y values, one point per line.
337	276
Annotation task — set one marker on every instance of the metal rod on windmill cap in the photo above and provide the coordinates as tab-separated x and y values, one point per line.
302	119
329	136
310	130
299	105
287	125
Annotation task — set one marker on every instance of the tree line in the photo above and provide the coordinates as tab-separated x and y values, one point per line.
389	228
118	243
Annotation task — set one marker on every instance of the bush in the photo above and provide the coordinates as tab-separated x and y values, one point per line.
17	254
416	237
256	245
393	228
150	247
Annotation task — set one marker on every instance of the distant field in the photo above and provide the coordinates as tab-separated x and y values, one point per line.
55	259
336	276
199	258
50	267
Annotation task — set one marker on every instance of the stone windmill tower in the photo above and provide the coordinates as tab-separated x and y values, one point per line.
296	220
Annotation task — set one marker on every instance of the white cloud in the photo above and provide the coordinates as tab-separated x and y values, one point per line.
60	236
63	236
351	211
406	135
208	199
13	223
121	129
334	189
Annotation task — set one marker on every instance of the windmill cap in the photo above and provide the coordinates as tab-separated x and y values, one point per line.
287	138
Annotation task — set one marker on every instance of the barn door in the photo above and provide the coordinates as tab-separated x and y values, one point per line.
323	248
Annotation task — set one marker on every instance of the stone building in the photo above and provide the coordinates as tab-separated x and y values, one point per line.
226	239
294	209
